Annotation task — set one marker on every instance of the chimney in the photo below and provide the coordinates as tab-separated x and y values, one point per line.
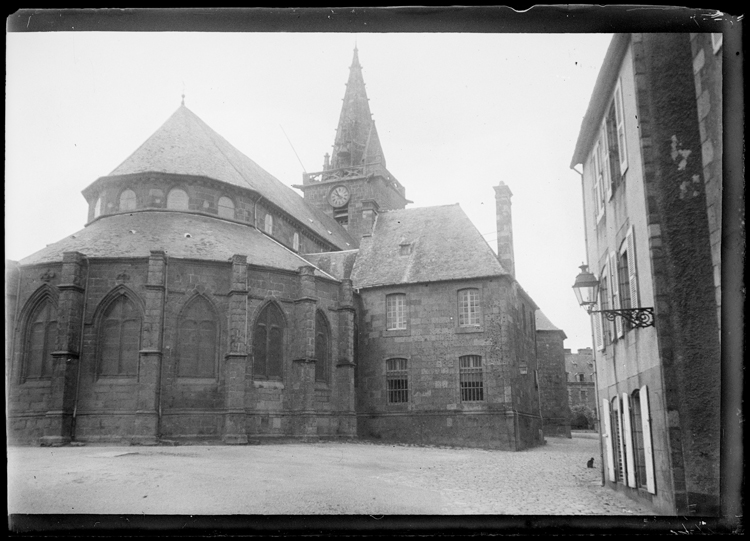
504	228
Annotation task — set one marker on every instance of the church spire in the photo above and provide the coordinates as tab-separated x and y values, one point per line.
356	141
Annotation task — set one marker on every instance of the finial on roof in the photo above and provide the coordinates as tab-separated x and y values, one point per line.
183	93
355	61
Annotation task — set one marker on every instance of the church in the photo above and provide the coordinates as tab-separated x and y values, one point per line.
205	300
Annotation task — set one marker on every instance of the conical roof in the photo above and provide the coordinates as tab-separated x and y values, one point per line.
185	145
357	140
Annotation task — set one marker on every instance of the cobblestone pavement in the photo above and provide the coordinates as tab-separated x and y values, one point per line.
319	478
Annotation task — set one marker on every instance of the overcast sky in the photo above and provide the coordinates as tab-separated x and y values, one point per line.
456	114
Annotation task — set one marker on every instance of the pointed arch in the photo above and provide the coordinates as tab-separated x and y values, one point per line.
118	320
39	331
198	332
269	331
322	347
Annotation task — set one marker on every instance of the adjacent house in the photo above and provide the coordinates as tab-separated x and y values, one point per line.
648	148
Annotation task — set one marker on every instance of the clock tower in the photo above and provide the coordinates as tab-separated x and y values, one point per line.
354	184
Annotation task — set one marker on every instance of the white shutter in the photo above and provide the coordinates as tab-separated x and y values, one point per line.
614	288
629	448
632	269
647	447
608	439
620	118
598	180
605	161
598	339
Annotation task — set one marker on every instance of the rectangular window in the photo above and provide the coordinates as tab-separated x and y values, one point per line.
613	158
638	448
624	282
470	378
583	396
468	307
397	381
395	306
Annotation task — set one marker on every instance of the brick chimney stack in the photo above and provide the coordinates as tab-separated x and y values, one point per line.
504	228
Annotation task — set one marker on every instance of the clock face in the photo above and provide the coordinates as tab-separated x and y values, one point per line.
339	196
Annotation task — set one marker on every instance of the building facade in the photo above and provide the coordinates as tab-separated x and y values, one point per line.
581	376
643	146
206	300
553	383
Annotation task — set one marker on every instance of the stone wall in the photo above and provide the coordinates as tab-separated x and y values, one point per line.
233	404
432	344
204	196
552	383
707	70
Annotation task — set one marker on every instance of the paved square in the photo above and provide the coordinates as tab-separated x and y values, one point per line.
319	478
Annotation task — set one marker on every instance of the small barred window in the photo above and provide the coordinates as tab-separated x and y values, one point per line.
397	381
471	380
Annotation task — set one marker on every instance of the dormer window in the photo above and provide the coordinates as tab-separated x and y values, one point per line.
405	248
127	200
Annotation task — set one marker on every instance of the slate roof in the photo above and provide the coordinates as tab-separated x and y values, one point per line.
356	133
337	264
186	145
136	234
445	246
544	324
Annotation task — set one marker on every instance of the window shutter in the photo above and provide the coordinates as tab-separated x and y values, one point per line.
608	440
632	269
605	162
620	118
629	448
614	289
598	338
647	446
598	180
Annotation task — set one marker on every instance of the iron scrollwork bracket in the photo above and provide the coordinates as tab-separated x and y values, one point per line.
636	317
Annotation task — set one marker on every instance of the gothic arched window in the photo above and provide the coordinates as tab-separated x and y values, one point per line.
41	338
322	341
268	224
177	199
268	343
127	200
120	338
197	340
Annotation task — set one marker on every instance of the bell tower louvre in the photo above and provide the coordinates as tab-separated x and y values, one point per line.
354	183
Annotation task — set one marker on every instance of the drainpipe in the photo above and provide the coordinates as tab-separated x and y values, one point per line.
80	353
593	342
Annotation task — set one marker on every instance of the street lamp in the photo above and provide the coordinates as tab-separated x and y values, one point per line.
586	288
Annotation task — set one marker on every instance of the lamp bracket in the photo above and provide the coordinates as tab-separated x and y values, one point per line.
636	317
